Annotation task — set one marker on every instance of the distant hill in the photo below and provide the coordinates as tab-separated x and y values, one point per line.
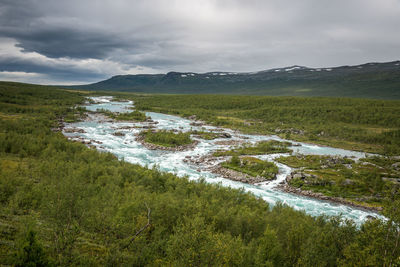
371	80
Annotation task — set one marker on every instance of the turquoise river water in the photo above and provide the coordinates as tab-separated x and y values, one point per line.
132	151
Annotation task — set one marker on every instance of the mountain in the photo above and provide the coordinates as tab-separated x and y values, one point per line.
371	80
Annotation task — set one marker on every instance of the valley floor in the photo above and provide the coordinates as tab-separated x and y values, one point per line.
65	204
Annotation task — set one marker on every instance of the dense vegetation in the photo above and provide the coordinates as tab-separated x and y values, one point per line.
65	204
378	80
125	116
205	135
252	166
365	182
261	148
359	124
315	162
166	138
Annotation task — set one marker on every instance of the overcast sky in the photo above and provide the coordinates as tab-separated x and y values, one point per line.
75	41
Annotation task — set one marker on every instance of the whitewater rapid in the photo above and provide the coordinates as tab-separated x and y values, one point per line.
125	147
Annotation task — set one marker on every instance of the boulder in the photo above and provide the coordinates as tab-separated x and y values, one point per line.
348	182
348	166
74	130
225	135
297	176
396	165
148	127
126	127
119	134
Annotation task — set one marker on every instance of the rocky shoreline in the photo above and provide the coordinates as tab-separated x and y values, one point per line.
210	163
310	179
337	200
283	186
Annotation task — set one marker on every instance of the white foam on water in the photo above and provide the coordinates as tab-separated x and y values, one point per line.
127	148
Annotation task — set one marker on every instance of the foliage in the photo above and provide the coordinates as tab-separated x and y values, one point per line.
166	138
86	206
31	253
125	116
315	162
358	181
131	116
252	166
358	124
205	135
261	148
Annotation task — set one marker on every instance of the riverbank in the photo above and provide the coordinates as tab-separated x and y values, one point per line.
337	200
213	164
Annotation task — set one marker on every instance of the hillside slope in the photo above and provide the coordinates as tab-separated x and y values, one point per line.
371	80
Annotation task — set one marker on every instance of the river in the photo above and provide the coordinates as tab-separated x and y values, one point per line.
125	147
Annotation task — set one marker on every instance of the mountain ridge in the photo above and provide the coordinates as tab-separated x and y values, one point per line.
371	80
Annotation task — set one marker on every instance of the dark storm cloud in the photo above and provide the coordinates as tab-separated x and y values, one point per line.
57	72
95	39
67	42
27	24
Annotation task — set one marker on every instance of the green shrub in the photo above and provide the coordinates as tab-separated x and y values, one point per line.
166	138
252	166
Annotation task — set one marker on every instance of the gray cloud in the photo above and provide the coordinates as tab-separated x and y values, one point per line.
90	40
59	72
67	42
